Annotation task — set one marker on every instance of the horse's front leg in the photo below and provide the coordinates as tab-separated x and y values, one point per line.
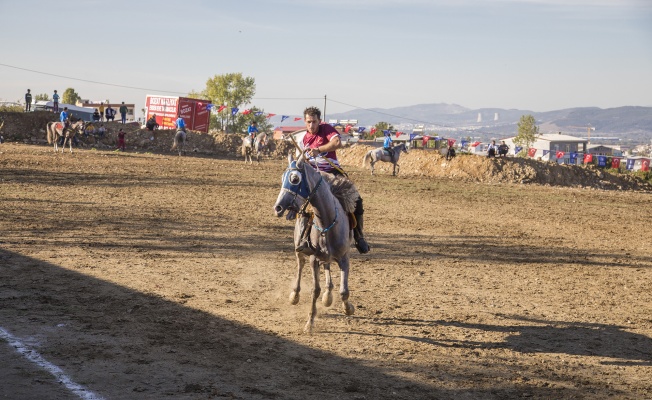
372	162
316	291
349	309
296	286
327	298
70	143
394	170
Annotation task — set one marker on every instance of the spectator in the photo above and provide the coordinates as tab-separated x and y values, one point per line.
102	112
123	113
101	131
55	102
90	130
151	123
121	140
28	101
96	115
110	113
503	149
450	154
491	150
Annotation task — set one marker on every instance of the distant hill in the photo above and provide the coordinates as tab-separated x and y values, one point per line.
629	123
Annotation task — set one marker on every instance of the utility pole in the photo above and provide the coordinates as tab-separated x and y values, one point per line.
324	108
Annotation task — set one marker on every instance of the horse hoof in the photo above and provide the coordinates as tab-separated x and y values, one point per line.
349	309
327	299
308	328
294	298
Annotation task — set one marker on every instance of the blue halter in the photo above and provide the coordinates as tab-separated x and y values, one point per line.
293	174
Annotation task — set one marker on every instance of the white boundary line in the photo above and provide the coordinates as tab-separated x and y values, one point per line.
57	372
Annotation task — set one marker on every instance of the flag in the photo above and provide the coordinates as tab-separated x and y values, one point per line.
424	141
573	158
545	153
386	132
474	144
531	152
284	117
588	158
209	106
560	154
464	143
615	163
451	142
518	149
234	110
602	161
270	115
630	164
258	113
347	129
221	108
645	165
373	130
245	112
361	129
298	118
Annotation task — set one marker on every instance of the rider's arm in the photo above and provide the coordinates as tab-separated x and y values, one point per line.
332	145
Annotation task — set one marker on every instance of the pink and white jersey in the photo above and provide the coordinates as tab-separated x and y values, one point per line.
310	141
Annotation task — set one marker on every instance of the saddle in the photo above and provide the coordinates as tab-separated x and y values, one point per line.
388	152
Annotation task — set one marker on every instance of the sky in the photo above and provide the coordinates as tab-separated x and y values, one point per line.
537	55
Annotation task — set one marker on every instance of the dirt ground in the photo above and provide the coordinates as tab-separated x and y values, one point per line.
150	276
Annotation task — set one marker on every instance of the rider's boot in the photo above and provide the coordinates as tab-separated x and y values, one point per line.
360	242
304	241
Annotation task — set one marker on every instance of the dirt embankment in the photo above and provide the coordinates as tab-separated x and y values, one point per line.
29	128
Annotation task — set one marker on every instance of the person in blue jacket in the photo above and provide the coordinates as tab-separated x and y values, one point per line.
388	145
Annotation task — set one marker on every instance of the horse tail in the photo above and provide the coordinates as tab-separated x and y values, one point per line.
49	128
366	157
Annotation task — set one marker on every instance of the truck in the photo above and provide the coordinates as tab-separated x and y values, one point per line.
167	109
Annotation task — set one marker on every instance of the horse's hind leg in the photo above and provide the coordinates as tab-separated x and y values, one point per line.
349	309
372	162
296	286
316	291
327	298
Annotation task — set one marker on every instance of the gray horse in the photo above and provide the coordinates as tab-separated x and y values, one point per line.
56	130
330	234
180	139
250	150
376	155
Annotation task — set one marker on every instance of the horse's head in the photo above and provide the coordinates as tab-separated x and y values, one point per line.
294	186
403	147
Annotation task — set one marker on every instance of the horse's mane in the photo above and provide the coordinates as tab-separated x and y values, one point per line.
343	189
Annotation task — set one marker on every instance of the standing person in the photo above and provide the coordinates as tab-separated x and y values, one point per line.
123	113
121	140
320	143
388	143
101	109
55	102
491	150
28	101
252	131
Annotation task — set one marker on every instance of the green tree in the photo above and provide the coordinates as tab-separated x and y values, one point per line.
527	132
70	96
234	91
42	97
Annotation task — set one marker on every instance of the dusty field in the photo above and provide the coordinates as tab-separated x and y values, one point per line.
152	276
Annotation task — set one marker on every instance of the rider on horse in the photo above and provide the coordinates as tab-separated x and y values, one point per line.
181	126
252	131
321	141
388	145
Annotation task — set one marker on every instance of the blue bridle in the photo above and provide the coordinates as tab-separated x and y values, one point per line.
294	182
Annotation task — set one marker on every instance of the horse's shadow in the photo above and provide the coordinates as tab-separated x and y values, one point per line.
541	336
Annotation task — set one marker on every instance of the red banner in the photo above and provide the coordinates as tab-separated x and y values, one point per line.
424	141
645	165
531	151
560	154
588	158
615	163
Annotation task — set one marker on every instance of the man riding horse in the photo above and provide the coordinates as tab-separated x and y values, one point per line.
388	145
320	143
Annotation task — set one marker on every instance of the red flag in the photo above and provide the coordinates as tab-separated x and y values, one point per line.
245	112
588	158
298	118
373	130
645	165
270	115
451	142
424	141
347	129
560	154
474	144
531	151
398	133
221	108
615	163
